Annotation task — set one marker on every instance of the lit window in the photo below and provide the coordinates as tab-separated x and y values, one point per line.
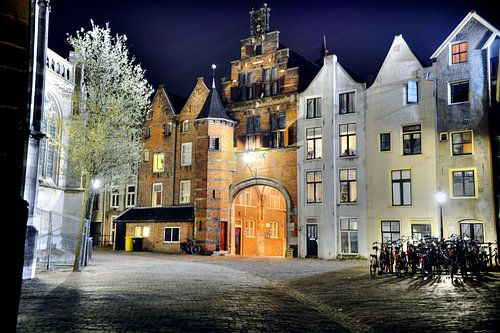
412	92
157	194
419	231
278	126
472	231
141	232
185	195
158	161
401	187
412	140
459	53
348	235
313	108
314	187
346	103
462	143
459	92
348	186
314	143
464	183
171	234
347	136
186	154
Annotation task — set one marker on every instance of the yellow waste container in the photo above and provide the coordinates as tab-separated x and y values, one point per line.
128	244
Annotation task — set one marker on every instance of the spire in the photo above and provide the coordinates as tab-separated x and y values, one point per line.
213	75
324	51
213	108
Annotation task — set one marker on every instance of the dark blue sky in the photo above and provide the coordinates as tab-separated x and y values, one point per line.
177	41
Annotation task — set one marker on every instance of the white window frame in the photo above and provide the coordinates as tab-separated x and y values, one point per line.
249	231
153	203
412	91
171	233
185	126
186	153
449	92
184	186
398	187
349	231
115	199
130	196
158	162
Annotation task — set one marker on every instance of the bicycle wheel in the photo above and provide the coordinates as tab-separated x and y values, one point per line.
195	249
373	267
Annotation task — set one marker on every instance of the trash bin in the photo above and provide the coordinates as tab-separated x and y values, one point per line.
137	243
128	244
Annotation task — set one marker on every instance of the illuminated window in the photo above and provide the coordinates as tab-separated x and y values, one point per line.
49	151
461	143
185	195
347	138
314	187
158	162
314	143
459	53
348	186
278	126
418	231
141	232
472	231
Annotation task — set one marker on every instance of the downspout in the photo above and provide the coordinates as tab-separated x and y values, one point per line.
174	162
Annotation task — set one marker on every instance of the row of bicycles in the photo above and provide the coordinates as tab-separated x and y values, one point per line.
430	255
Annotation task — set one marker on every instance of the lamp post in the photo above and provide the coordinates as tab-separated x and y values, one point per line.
440	198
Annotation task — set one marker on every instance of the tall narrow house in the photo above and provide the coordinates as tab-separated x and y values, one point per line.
466	67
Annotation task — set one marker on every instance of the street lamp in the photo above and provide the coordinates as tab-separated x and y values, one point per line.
441	198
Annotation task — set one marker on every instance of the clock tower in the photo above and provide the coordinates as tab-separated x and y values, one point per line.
259	21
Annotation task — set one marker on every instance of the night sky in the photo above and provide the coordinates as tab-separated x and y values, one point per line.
177	41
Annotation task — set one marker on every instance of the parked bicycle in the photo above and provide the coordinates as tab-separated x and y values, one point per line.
374	264
190	246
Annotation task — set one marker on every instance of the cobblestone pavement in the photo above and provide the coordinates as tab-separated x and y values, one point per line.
147	292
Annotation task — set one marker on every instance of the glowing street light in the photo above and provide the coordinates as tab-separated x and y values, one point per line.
441	198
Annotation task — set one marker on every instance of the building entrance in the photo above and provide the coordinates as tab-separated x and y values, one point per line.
260	215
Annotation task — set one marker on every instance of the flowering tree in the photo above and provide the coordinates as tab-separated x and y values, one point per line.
105	131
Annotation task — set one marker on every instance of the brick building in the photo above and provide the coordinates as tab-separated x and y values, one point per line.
232	159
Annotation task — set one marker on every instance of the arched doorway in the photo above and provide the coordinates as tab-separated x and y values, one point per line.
260	213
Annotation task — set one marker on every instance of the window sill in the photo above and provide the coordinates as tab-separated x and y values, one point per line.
458	103
353	203
171	242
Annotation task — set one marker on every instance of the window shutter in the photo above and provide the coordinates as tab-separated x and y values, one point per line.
274	121
241	142
147	132
234	94
291	136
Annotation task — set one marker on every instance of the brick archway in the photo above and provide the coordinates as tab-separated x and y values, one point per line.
260	214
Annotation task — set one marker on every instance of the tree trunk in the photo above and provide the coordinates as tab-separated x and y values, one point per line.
76	263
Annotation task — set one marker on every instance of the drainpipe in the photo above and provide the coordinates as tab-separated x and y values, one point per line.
176	123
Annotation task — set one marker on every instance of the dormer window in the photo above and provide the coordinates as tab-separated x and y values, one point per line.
459	52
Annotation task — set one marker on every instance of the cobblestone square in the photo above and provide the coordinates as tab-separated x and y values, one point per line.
148	292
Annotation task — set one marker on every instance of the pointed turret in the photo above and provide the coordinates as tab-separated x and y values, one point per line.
213	108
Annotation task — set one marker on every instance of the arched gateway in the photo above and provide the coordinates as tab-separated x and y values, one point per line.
260	213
